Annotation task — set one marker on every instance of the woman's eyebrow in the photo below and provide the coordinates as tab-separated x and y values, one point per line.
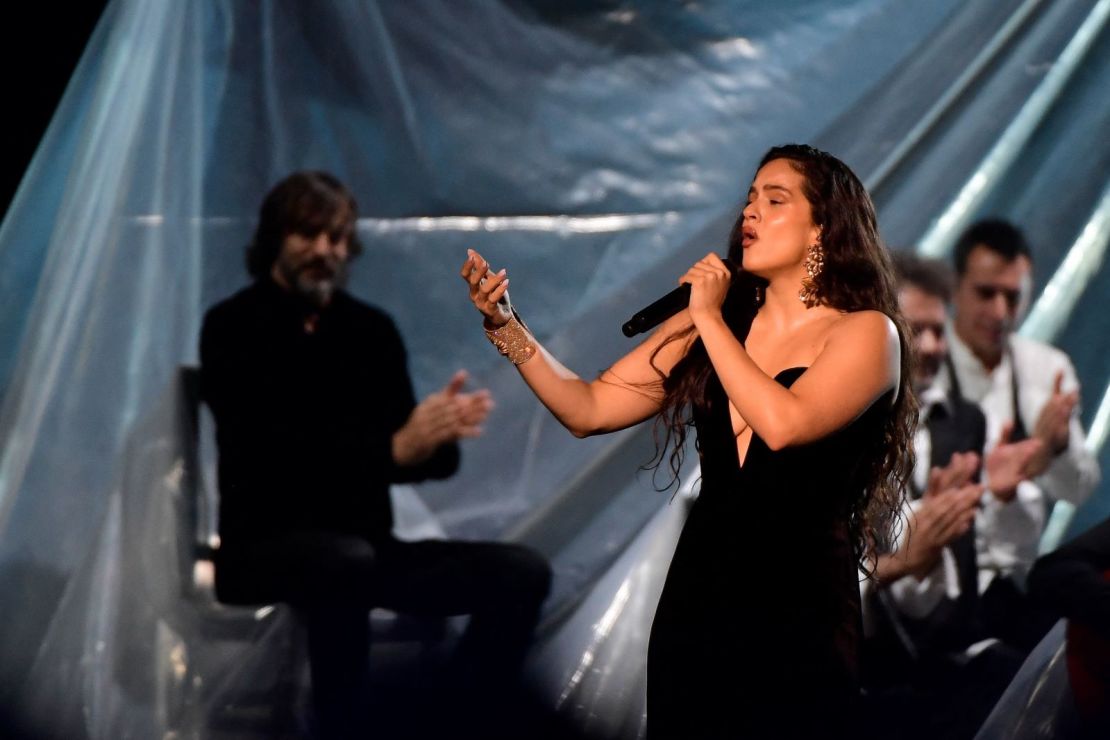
772	186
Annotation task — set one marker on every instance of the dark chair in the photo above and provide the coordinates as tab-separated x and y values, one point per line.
266	701
404	650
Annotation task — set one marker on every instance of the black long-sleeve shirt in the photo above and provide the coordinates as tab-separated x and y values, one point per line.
304	420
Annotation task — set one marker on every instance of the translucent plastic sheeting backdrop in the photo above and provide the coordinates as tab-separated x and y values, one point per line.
596	149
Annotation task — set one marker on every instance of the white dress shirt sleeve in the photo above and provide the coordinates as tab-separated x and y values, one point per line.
1007	533
1073	473
916	597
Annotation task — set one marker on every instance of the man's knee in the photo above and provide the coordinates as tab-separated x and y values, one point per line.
351	550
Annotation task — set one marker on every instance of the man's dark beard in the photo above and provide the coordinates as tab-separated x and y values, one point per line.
317	291
931	373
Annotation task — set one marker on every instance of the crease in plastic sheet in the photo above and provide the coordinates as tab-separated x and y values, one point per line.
1038	702
1048	316
594	151
938	241
1081	264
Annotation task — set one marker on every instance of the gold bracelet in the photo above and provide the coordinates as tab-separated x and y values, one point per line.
513	340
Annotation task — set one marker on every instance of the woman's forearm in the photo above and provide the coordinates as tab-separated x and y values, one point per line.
588	407
624	395
566	396
770	409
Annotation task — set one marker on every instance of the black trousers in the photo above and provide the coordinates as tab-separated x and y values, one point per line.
336	579
1008	613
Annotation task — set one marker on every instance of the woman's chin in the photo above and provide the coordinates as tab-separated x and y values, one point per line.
758	270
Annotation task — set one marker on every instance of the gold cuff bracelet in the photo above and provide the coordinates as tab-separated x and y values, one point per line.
513	340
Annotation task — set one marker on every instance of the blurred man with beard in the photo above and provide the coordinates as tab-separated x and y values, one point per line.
315	418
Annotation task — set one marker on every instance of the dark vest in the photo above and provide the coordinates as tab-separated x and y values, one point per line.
901	643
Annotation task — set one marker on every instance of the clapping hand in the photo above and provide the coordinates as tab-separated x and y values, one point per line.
1052	426
1009	463
445	416
945	512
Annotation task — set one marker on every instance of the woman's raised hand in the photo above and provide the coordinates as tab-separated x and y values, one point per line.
489	291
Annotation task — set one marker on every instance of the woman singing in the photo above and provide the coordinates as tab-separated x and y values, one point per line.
795	374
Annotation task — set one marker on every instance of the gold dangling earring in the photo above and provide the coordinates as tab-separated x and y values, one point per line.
814	263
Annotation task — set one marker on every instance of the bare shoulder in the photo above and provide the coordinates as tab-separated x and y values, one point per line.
869	325
871	337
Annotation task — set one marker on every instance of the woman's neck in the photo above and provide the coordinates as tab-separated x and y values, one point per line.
781	306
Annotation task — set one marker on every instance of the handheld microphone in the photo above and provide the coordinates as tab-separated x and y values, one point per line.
655	314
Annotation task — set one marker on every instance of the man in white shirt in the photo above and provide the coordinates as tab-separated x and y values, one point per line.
1027	390
950	439
927	659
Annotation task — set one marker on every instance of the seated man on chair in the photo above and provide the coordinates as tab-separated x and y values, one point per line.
315	418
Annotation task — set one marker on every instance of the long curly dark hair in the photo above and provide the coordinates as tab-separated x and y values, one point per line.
857	275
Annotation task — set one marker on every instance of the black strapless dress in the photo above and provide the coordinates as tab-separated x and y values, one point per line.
758	628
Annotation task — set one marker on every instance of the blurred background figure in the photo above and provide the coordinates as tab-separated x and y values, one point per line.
932	667
315	417
1027	390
